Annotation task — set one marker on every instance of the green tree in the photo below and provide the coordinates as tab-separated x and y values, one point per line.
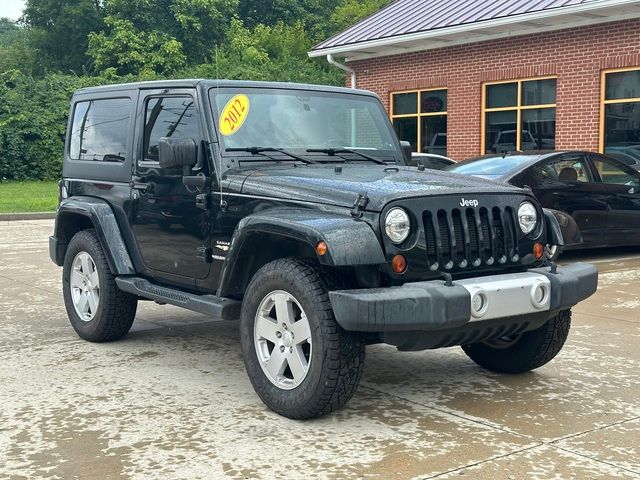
16	51
273	53
61	29
197	24
313	14
131	51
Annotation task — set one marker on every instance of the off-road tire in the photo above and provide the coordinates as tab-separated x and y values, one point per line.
337	356
116	309
532	349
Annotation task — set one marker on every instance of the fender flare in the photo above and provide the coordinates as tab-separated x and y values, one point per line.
101	215
561	228
350	241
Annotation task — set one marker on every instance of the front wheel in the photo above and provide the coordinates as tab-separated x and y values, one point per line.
301	363
97	309
523	352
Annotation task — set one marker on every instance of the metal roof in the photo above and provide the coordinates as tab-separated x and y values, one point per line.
411	18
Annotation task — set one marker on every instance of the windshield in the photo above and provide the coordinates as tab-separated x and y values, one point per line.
494	166
297	120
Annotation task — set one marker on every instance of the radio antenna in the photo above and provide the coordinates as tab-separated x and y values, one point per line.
223	204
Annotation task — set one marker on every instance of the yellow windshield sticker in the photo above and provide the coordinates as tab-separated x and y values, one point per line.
234	114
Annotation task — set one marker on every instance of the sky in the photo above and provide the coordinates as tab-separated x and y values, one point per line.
11	8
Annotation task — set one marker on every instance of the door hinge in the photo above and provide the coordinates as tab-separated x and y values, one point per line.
205	254
203	201
360	204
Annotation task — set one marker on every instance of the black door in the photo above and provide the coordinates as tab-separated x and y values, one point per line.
621	185
565	183
171	232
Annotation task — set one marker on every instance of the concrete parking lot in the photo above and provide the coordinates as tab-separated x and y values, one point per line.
172	399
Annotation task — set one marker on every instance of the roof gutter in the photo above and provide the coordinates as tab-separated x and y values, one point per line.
471	27
342	66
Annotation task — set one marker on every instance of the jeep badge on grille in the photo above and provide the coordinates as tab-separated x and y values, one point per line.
468	203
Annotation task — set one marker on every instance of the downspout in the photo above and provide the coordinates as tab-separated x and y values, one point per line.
342	66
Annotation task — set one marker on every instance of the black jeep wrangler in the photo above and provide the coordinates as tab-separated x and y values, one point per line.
292	208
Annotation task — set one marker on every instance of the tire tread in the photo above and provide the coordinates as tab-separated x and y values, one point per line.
344	360
533	350
118	308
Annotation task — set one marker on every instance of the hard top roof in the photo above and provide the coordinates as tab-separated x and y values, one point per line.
208	83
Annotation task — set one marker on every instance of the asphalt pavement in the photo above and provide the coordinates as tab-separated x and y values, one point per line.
172	400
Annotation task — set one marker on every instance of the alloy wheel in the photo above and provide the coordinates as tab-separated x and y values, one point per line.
85	286
282	338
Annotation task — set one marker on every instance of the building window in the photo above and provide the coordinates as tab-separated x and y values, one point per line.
620	130
420	118
519	115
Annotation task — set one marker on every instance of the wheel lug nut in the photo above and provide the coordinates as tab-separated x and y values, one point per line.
278	334
290	349
282	348
284	325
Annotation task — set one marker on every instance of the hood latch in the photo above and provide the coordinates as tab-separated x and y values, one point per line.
360	204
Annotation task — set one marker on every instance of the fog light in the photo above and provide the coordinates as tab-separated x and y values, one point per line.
399	264
538	250
479	303
539	295
321	248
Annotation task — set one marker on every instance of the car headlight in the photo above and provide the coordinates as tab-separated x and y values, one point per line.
397	225
527	217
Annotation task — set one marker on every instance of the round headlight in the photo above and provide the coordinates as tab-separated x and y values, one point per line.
397	225
527	217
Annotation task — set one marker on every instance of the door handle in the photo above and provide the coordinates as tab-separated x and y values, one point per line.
138	185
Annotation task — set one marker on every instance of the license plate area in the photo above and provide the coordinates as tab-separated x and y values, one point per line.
500	296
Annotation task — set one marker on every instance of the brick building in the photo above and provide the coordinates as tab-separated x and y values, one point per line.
466	77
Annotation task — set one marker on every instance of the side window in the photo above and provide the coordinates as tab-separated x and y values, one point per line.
173	117
615	174
566	169
99	130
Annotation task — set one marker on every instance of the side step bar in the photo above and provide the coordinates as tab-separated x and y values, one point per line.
219	308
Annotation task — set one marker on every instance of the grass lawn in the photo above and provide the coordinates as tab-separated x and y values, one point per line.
19	197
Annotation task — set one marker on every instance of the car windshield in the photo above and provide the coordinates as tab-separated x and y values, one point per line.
299	120
494	166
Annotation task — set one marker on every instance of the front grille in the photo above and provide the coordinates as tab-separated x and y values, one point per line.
467	238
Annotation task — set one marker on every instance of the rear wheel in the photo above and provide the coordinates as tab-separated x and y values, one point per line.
301	363
525	351
98	311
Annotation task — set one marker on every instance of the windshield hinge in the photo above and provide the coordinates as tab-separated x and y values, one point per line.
203	201
360	204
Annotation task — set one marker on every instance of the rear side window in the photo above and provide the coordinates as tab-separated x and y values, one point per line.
99	130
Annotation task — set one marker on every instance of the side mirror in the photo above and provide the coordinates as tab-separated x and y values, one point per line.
406	151
178	153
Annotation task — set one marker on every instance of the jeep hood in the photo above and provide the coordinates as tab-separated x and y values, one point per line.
340	186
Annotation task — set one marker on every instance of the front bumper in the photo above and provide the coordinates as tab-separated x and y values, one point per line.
432	305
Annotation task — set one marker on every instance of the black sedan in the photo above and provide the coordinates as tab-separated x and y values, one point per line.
601	193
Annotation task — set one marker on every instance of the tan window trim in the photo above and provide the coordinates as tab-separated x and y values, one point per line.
604	102
416	115
518	108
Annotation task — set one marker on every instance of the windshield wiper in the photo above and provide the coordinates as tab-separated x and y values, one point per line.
263	151
336	151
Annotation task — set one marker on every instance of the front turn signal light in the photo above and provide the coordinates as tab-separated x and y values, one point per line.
322	248
538	250
399	264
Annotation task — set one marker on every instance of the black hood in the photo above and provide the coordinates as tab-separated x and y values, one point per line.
340	186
